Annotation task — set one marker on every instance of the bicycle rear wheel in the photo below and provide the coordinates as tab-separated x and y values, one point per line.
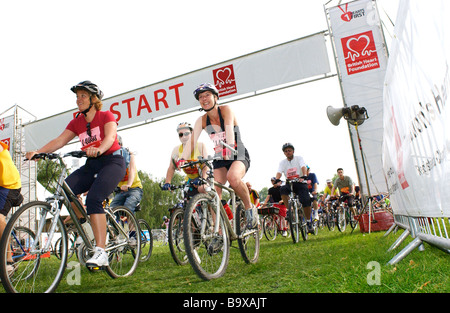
269	227
37	270
176	240
294	221
124	246
248	239
146	240
208	252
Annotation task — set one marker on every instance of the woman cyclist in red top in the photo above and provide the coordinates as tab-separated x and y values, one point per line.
105	166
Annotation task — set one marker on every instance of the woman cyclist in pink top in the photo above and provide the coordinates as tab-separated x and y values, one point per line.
105	166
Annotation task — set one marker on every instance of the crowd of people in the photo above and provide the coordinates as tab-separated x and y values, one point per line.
110	166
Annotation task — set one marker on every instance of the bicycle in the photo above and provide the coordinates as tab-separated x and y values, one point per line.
208	232
272	222
123	246
345	215
296	213
175	230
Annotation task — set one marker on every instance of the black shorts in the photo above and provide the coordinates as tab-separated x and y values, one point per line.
301	190
227	163
9	198
100	176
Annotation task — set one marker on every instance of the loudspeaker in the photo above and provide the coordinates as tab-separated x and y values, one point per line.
334	115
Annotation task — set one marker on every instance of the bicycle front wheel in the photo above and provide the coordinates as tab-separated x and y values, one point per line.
146	240
208	251
341	223
248	239
124	245
176	240
34	269
294	221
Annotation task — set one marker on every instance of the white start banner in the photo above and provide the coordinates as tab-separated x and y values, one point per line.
416	114
361	56
285	63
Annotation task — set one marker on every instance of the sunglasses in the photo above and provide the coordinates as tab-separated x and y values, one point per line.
184	134
88	129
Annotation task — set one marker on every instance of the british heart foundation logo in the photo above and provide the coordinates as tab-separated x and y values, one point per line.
225	81
360	53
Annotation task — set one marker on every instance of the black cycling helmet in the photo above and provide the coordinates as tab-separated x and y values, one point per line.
206	87
288	145
89	86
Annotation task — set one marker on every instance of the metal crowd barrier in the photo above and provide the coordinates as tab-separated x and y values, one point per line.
432	230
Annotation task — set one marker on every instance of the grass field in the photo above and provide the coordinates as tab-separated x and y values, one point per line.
331	262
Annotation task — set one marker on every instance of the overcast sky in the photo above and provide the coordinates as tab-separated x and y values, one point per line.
49	46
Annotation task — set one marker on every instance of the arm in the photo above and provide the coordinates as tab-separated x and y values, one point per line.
110	136
132	172
172	167
198	127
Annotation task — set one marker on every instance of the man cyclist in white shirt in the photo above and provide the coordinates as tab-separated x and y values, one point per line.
295	167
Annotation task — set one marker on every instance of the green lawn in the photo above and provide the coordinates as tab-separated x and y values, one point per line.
331	262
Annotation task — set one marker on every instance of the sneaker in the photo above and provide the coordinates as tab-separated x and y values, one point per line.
99	259
252	218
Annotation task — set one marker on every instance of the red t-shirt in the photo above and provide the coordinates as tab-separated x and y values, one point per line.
79	127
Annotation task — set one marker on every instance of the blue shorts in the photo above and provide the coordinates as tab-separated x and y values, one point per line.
130	198
9	198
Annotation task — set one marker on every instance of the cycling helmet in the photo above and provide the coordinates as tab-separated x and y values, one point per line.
119	140
184	125
206	87
287	145
89	86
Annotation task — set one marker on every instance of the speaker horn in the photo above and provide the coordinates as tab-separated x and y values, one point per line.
334	115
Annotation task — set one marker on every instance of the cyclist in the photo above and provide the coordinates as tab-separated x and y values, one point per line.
130	186
10	187
105	165
221	125
295	167
313	184
274	196
184	131
346	188
327	195
254	196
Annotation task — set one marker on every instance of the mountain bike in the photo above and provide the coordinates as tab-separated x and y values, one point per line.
272	222
42	272
208	232
345	215
175	230
297	218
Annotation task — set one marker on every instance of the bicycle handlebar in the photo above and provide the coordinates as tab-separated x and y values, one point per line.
53	156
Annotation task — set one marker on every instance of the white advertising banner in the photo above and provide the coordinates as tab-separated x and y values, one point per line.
289	62
417	118
362	60
7	132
